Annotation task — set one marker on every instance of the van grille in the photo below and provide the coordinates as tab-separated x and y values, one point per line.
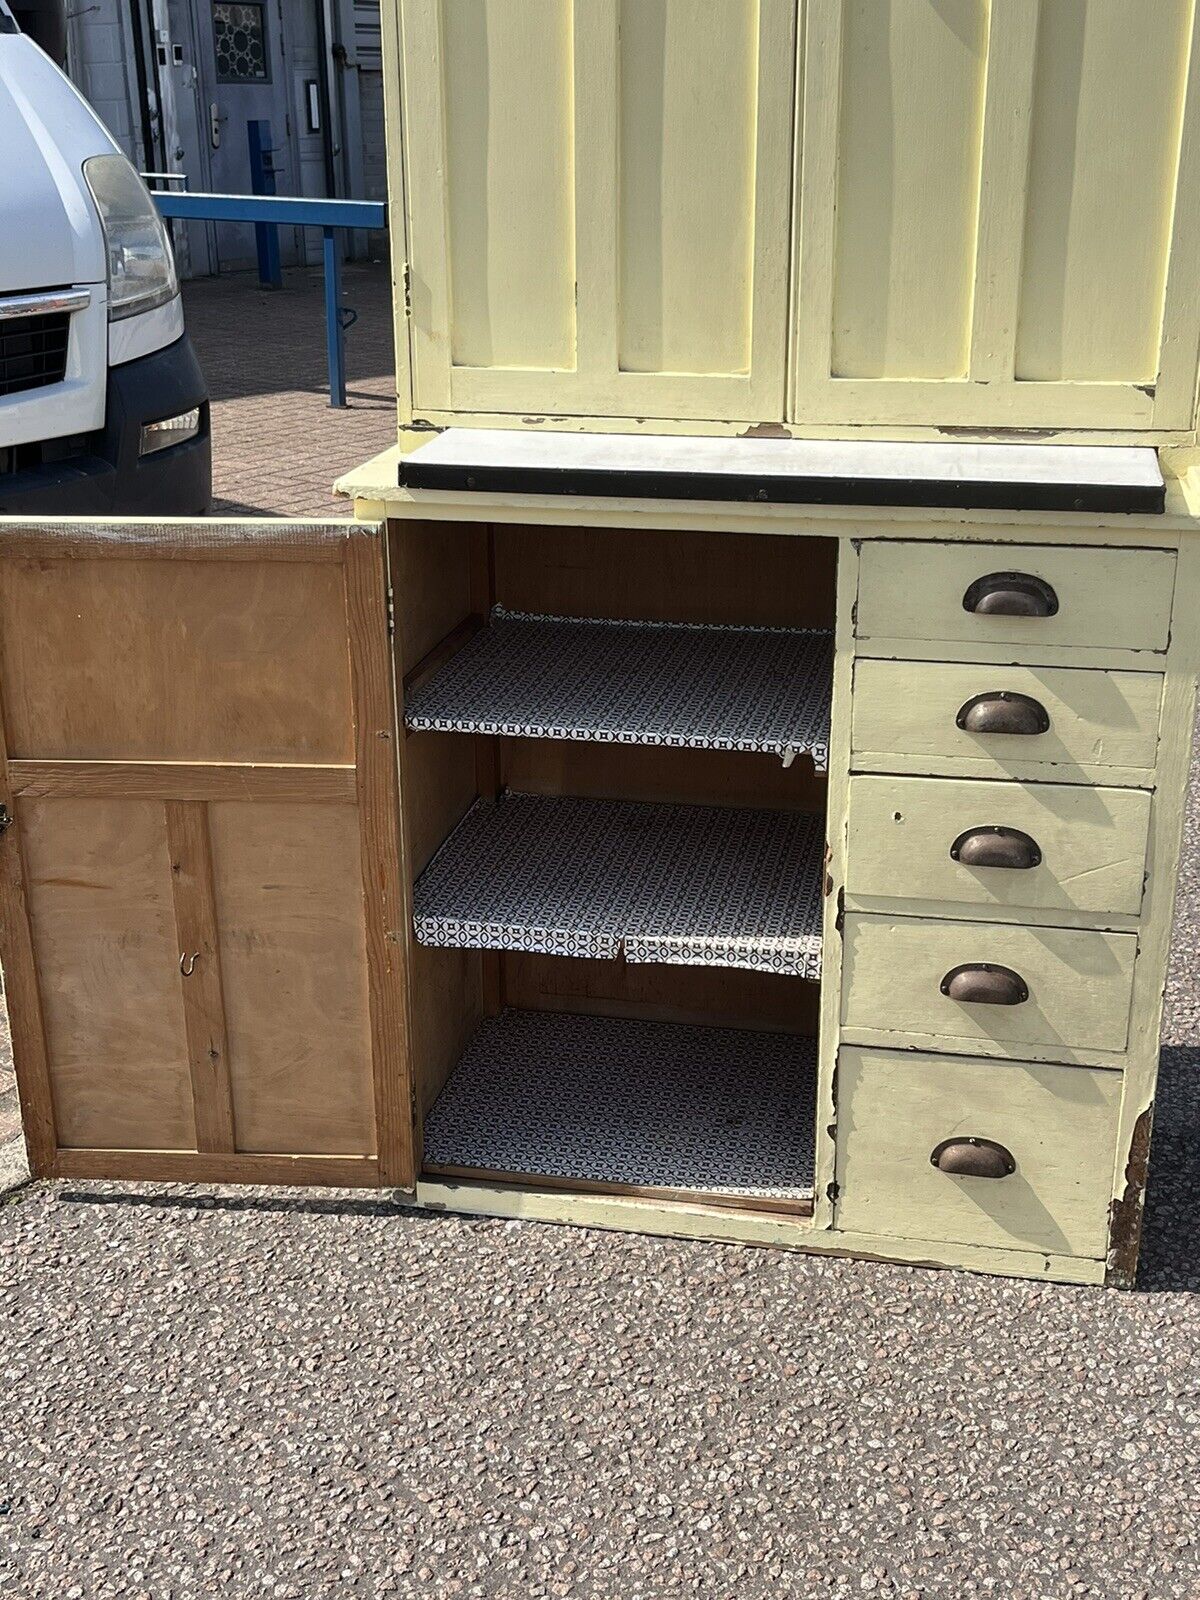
33	351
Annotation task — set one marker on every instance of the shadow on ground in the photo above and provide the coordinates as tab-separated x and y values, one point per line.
1170	1257
1170	1262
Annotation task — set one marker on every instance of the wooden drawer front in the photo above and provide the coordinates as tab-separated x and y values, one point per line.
1059	1123
1078	984
1108	599
1092	843
912	709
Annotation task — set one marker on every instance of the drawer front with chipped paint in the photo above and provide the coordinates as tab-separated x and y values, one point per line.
997	1153
1037	846
952	984
1030	596
1004	721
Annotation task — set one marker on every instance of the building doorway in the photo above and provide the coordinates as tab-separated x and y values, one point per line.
219	65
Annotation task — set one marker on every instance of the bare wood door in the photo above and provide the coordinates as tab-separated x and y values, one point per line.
200	884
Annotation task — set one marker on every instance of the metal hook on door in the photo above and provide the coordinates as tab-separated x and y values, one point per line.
187	964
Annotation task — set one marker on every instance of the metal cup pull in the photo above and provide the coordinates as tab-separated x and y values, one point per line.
979	983
1003	711
994	846
970	1157
1010	594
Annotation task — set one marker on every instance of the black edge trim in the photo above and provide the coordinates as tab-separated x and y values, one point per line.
1089	497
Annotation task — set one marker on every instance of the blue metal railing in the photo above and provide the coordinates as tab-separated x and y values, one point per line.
328	215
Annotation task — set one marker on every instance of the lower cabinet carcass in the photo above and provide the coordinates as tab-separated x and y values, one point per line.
786	874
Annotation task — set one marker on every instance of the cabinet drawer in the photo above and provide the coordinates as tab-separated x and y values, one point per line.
1072	988
1058	1123
1106	599
943	713
1089	845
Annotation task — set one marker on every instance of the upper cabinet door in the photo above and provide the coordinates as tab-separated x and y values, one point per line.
998	214
599	205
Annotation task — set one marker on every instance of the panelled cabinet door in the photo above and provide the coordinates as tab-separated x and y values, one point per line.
200	885
997	219
599	201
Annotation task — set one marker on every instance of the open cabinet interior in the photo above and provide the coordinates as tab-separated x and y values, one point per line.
613	783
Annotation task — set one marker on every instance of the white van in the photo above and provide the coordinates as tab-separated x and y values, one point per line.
103	407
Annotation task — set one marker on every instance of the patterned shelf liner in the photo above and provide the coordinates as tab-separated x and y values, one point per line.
696	886
694	686
603	1100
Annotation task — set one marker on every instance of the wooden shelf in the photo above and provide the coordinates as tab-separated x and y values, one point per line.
686	885
690	686
625	1106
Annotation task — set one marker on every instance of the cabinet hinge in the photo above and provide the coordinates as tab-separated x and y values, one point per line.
5	819
407	290
391	612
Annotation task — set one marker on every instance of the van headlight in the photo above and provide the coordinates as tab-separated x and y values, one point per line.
141	266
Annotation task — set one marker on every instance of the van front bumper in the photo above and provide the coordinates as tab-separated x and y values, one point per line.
104	474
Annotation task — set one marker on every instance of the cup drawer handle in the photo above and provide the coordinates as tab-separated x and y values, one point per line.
1010	594
979	983
970	1157
994	846
1003	711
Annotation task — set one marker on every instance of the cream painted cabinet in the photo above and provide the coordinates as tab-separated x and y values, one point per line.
702	215
598	205
997	218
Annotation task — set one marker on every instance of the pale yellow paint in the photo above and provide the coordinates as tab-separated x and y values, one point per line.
1079	983
832	946
686	235
1059	1123
1092	841
1174	763
1118	598
597	205
996	206
988	212
1106	722
911	116
628	1214
509	70
1103	153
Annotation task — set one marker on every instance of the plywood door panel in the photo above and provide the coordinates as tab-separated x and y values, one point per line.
98	883
996	208
293	962
598	200
207	933
160	659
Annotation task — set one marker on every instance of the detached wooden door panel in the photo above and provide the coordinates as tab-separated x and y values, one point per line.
202	896
997	216
599	200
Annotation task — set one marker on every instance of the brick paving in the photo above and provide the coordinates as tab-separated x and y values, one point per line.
277	443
